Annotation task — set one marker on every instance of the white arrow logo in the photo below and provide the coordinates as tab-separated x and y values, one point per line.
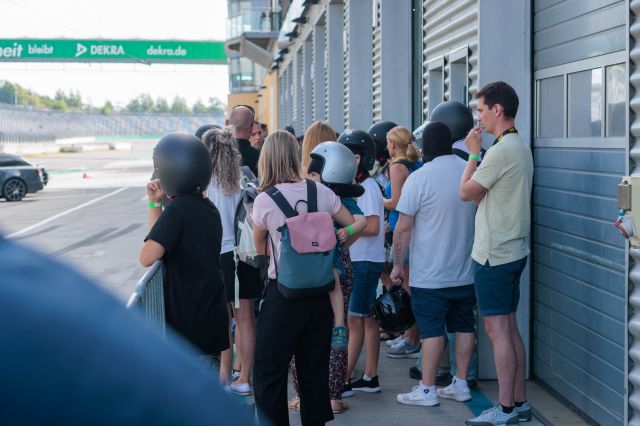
80	49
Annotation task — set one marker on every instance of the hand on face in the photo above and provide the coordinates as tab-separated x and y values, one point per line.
154	191
474	140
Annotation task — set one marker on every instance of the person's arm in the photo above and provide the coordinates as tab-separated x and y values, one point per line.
260	237
470	190
398	174
349	238
343	217
401	240
151	250
372	226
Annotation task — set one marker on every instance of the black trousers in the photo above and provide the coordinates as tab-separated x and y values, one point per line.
286	327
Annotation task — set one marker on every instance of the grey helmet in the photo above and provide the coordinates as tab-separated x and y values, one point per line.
338	163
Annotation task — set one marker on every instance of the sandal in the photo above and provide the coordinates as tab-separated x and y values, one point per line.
294	404
340	404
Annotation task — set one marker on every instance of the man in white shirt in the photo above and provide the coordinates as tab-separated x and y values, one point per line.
440	228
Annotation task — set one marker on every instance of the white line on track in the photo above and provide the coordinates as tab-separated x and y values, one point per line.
64	213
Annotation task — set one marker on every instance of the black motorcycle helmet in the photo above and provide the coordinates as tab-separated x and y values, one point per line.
392	310
436	140
182	163
359	142
204	128
456	116
378	133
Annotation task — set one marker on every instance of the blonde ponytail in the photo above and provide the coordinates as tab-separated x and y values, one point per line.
403	140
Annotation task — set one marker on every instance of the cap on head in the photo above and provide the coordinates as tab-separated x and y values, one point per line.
456	116
182	163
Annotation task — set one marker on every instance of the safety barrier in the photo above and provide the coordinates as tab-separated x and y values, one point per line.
148	297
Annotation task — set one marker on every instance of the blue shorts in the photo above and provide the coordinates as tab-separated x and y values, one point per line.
498	287
442	310
365	283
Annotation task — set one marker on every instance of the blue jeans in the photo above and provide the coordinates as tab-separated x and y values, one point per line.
365	282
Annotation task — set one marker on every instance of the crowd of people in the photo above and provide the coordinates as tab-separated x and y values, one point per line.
340	218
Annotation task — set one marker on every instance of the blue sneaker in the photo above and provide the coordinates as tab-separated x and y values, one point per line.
404	350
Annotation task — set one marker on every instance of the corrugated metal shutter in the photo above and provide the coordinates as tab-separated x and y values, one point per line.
345	39
447	26
377	63
313	88
325	65
578	263
281	102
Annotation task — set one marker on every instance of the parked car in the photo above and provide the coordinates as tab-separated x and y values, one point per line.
18	177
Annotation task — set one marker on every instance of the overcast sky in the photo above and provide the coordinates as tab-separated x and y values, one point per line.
142	19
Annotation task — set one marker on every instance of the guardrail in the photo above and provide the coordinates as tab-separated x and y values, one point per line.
148	297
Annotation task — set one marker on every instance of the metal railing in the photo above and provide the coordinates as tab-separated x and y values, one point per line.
252	19
148	297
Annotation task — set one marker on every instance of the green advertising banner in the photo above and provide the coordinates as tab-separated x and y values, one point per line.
136	51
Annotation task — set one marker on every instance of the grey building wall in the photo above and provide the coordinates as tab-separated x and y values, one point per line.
580	153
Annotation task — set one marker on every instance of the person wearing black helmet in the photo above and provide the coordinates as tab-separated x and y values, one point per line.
367	256
205	128
187	236
458	118
442	291
378	133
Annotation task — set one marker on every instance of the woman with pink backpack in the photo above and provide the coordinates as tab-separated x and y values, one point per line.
293	221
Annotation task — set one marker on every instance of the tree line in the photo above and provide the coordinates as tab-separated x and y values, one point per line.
14	94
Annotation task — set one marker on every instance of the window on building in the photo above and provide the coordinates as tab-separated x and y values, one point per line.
551	107
616	100
435	83
459	75
585	103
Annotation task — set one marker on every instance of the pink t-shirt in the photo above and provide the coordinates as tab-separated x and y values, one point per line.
268	216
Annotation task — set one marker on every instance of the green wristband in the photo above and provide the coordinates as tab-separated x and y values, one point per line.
350	229
476	156
154	205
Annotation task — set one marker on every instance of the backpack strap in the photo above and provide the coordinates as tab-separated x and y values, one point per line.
312	196
408	164
465	155
281	202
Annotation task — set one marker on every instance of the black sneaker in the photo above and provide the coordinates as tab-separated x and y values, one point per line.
370	386
346	390
415	373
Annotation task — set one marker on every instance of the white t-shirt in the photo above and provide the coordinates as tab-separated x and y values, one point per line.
370	249
442	235
226	205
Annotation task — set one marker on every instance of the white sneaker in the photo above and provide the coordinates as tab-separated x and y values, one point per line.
419	395
395	341
494	416
456	390
241	388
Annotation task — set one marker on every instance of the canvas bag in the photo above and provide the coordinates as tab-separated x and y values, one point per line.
245	248
307	241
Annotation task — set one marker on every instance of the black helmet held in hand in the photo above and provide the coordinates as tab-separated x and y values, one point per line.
359	142
456	116
392	310
182	163
378	133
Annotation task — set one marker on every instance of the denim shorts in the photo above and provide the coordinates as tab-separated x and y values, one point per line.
365	282
498	287
442	310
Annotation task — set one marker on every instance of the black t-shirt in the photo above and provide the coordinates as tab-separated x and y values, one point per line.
190	231
249	155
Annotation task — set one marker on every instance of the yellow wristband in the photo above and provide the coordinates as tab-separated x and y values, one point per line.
350	229
154	205
476	156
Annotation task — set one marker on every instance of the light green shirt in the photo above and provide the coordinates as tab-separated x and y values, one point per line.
503	219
